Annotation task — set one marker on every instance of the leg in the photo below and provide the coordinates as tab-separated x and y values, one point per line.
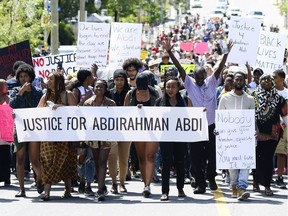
20	160
210	150
102	163
150	150
179	150
34	154
123	152
112	163
140	149
167	158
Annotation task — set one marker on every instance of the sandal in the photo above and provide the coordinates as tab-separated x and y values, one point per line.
256	187
164	197
45	197
181	193
21	194
268	191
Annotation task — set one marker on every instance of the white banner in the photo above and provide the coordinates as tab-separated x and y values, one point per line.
92	45
271	51
125	43
47	64
112	124
244	32
235	144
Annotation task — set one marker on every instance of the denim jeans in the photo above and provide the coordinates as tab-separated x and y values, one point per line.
239	177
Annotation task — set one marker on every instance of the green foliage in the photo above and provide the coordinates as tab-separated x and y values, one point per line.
21	20
283	6
66	34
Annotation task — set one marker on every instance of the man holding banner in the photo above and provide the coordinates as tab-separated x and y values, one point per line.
202	90
238	99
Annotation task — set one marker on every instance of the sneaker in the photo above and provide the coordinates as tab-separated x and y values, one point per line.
199	190
242	194
193	183
280	183
81	188
88	191
114	189
101	196
234	191
147	191
187	180
212	185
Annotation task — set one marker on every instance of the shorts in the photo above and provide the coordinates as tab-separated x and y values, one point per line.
282	147
18	145
101	144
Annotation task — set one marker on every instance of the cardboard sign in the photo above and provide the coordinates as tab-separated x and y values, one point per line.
271	51
245	34
181	124
125	42
189	68
201	48
9	55
6	123
235	144
92	45
47	64
188	46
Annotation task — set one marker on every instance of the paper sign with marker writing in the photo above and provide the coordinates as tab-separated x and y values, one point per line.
244	32
6	123
125	42
235	144
188	46
47	64
271	51
92	45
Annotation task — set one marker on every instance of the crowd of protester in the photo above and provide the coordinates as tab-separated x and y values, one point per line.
145	83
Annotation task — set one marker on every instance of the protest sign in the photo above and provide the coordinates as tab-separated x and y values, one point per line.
187	67
9	55
125	42
74	123
6	123
143	54
47	64
244	32
92	44
188	46
235	144
201	48
271	51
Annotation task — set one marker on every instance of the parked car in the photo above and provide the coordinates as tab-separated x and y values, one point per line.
233	12
257	14
216	15
196	3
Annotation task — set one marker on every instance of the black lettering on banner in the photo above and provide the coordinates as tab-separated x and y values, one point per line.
187	124
76	123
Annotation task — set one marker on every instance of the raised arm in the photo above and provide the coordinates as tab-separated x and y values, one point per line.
223	61
168	47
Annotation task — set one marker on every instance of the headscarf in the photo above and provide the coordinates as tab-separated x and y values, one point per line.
266	101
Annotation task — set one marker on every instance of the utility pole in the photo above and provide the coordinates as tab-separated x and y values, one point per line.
82	11
55	28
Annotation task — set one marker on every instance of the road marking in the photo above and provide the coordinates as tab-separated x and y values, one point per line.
221	203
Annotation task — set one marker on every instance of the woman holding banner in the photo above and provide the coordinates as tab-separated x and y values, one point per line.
100	149
26	96
144	95
173	152
58	160
269	107
5	155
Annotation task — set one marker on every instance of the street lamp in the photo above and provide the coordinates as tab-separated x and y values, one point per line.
97	4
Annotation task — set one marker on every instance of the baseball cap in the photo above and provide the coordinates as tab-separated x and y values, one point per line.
142	81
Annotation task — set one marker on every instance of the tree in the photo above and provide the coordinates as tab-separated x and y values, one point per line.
283	6
22	20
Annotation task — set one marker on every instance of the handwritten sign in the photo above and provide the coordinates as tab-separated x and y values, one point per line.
271	51
188	46
235	144
125	42
47	64
245	34
143	54
201	48
6	123
9	55
92	44
187	67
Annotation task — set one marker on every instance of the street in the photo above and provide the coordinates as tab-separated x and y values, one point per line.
218	203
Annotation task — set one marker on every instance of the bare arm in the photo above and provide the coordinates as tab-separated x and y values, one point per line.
168	47
190	104
223	61
42	102
249	77
126	100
